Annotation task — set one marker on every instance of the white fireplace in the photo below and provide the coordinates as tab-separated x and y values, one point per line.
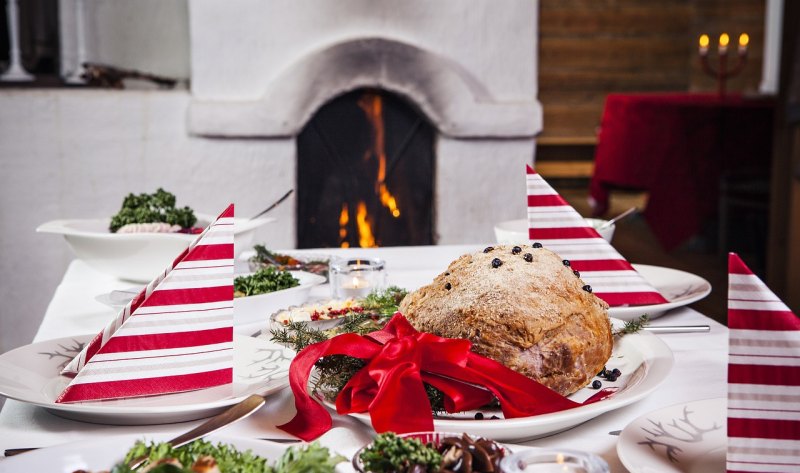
261	69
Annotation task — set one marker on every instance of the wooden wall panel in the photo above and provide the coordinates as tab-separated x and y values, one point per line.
590	48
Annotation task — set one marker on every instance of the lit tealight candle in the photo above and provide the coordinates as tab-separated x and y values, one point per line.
724	40
357	287
704	41
356	277
744	40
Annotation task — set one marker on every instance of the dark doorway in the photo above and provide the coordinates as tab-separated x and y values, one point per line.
365	174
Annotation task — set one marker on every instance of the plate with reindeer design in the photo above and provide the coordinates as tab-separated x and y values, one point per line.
31	374
685	438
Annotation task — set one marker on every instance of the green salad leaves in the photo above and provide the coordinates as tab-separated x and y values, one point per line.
152	208
311	458
263	281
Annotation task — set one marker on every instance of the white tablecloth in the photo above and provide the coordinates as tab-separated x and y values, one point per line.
699	371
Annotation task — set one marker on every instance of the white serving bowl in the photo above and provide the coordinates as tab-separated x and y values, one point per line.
253	309
516	231
138	257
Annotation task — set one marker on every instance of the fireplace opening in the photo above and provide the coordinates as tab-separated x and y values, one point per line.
365	178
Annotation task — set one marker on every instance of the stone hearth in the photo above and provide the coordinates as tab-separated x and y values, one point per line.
260	70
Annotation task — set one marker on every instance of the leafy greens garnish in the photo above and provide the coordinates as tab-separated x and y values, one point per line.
311	458
263	281
152	208
390	453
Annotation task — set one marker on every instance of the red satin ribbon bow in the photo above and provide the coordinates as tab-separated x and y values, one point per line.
399	359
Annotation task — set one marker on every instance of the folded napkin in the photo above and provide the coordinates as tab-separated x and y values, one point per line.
763	376
560	228
176	335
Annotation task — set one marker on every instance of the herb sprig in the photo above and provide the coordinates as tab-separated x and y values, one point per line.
632	326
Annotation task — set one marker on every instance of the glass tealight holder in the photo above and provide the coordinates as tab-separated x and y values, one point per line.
356	277
546	460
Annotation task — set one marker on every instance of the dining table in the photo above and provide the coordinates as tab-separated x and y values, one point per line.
684	150
699	370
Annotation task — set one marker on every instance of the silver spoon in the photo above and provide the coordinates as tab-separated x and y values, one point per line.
277	202
617	218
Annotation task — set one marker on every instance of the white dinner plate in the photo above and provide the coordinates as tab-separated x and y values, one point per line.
678	287
685	438
32	374
100	454
644	360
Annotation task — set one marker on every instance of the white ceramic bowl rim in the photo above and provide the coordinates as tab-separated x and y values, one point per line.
98	228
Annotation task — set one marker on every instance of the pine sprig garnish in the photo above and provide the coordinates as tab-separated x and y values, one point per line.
384	302
632	326
333	372
298	335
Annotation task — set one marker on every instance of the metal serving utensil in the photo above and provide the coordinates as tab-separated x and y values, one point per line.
277	202
229	416
617	218
677	328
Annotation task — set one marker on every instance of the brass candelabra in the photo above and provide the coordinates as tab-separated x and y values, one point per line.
723	72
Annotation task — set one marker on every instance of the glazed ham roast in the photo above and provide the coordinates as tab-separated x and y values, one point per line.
521	306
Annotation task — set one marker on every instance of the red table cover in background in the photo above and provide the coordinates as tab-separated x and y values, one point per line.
676	146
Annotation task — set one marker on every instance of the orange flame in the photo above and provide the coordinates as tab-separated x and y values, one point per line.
372	104
365	237
344	218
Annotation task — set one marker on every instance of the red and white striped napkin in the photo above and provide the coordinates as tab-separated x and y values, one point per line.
560	228
763	376
175	336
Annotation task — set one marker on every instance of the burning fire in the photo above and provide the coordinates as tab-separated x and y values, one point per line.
365	237
344	219
372	104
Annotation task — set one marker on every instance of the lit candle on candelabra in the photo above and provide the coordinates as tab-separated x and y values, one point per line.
724	40
744	40
722	72
704	41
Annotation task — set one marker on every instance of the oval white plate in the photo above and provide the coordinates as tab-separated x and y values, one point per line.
100	454
644	360
137	257
258	308
31	374
678	287
685	438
